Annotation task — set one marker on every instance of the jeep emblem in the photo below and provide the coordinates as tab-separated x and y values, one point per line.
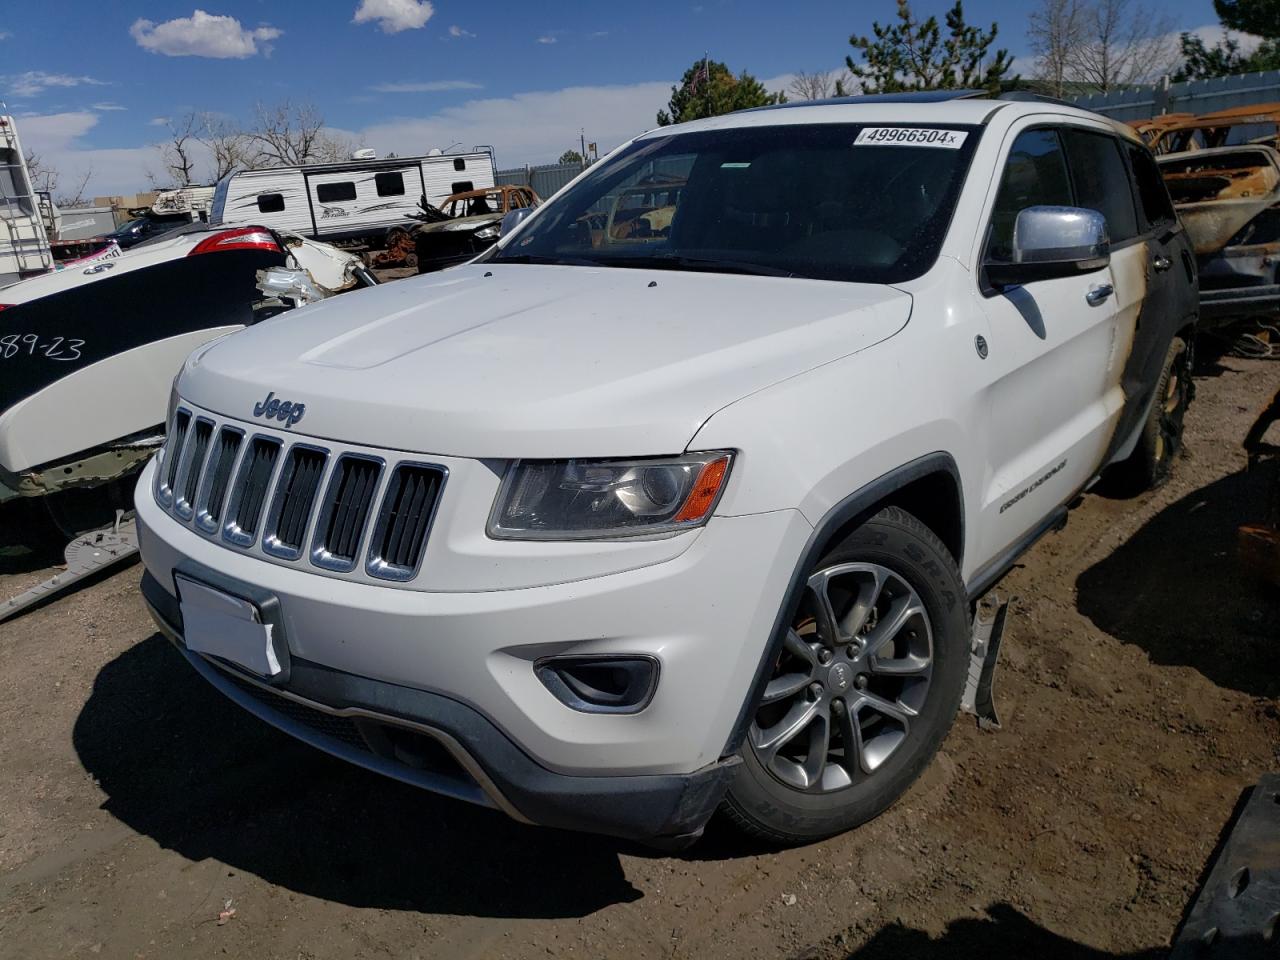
273	408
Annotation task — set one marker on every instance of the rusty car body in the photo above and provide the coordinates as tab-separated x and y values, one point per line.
466	224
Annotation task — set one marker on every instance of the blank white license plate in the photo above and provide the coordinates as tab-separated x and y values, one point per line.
224	626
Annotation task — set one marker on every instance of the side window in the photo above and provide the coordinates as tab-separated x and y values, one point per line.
335	192
389	184
1157	208
270	202
462	186
1102	182
459	164
1035	175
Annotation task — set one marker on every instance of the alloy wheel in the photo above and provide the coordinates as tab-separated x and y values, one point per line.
852	678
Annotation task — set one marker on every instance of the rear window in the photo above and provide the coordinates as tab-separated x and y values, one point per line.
389	184
335	192
270	202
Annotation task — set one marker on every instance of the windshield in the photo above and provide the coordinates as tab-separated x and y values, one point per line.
799	200
131	225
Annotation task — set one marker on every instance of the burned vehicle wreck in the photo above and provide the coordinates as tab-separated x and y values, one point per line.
466	224
87	356
1229	200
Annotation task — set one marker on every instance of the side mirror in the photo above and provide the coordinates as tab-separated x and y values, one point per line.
1053	242
513	219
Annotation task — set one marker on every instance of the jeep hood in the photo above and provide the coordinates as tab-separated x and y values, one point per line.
507	361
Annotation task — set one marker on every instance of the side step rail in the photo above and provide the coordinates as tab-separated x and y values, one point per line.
989	621
86	555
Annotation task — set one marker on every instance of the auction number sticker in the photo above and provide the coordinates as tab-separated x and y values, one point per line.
910	137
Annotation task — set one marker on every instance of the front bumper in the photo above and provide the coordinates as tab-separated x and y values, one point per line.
458	668
444	746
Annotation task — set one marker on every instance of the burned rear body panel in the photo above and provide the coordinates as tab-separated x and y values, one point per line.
1229	200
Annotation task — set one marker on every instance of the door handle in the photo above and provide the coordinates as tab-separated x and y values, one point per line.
1162	263
1098	294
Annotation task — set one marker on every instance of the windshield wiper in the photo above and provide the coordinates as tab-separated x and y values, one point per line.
678	261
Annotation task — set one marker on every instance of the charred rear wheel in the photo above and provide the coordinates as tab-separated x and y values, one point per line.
1161	438
862	689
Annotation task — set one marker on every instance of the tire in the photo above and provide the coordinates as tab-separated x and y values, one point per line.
1151	463
899	678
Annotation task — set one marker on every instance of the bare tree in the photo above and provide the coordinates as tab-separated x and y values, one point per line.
229	147
1056	32
332	147
819	85
1122	42
177	153
76	197
44	176
285	134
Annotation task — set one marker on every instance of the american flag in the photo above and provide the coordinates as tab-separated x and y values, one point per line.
701	75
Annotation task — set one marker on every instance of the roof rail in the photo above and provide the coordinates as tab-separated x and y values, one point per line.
909	96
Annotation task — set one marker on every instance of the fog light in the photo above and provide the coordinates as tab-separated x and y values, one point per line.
603	684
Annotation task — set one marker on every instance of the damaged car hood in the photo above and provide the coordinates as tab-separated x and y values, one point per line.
538	361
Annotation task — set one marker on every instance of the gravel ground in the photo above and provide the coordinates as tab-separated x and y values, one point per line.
1139	690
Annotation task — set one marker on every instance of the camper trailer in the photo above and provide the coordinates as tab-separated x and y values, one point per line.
24	244
356	200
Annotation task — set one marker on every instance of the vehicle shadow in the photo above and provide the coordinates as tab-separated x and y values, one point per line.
186	767
1177	589
1002	931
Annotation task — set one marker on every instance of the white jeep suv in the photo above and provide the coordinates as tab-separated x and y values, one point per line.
678	499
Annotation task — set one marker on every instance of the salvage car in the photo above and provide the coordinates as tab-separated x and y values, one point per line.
470	223
87	354
1229	200
612	533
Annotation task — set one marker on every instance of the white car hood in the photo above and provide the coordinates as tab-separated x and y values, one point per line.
494	361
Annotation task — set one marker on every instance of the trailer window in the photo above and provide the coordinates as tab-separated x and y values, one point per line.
389	184
461	186
270	202
459	164
335	192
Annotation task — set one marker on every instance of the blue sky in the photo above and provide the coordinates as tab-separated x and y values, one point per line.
91	82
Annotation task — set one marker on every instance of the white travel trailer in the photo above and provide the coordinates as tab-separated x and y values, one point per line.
24	244
352	200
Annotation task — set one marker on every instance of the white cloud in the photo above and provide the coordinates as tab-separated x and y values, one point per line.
5	34
429	86
108	106
533	127
394	15
547	38
57	138
203	35
157	121
34	82
457	32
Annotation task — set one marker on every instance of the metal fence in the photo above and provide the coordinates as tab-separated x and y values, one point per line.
545	179
1191	96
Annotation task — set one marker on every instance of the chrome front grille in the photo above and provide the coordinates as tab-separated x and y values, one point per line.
270	493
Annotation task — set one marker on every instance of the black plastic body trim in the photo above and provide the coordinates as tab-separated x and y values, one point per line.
670	808
849	509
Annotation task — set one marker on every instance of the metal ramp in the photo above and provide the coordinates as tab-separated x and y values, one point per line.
24	243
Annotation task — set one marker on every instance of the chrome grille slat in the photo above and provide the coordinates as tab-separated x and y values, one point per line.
271	495
249	495
294	498
408	507
217	479
345	512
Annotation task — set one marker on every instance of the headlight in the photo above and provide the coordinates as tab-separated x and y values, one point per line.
586	499
491	232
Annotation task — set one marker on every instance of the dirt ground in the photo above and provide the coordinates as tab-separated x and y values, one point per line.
1139	691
